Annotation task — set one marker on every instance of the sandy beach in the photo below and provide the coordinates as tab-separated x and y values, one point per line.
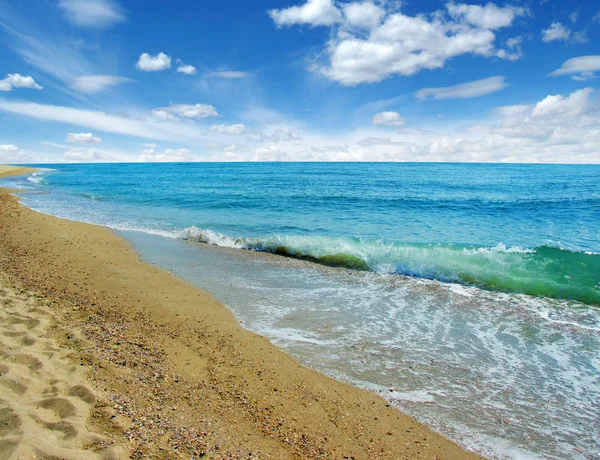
103	355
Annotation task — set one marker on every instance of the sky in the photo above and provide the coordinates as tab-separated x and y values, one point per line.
299	80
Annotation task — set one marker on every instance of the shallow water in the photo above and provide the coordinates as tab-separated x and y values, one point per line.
508	376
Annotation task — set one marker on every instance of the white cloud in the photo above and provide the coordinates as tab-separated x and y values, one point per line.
514	42
187	69
573	16
10	153
464	90
92	84
585	66
313	13
388	119
228	74
511	110
186	111
371	141
228	129
162	115
48	51
399	44
513	49
82	138
83	154
271	153
576	104
489	16
282	134
146	128
365	15
15	80
8	148
168	155
148	63
556	31
584	76
97	14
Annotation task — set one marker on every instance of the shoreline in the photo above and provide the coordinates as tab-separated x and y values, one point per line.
181	375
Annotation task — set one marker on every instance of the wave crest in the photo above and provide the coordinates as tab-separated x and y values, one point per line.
541	271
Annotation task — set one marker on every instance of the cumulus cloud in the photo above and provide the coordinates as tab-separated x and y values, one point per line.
388	119
10	153
464	90
489	16
365	15
513	49
186	111
8	148
555	32
91	154
82	138
585	66
168	155
313	13
399	44
576	104
15	80
557	129
148	63
187	69
228	74
95	14
228	129
92	84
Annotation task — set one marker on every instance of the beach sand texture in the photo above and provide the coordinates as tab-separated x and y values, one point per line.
45	399
175	375
8	170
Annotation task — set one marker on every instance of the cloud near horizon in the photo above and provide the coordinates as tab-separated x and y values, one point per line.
557	129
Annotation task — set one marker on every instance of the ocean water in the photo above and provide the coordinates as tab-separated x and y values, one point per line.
466	294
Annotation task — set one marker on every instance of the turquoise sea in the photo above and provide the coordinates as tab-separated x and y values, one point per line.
466	294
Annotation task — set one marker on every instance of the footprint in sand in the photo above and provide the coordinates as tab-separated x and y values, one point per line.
9	422
47	401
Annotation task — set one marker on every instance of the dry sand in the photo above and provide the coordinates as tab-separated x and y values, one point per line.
45	399
8	170
173	373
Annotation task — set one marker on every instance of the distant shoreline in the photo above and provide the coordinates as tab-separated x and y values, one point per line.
10	171
177	371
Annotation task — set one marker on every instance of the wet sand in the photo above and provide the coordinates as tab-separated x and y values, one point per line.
172	373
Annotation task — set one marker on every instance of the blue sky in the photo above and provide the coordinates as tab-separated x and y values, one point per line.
316	80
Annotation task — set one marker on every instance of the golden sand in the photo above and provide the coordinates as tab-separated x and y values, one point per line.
8	170
173	373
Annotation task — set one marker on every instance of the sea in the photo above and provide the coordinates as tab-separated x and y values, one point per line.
467	295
